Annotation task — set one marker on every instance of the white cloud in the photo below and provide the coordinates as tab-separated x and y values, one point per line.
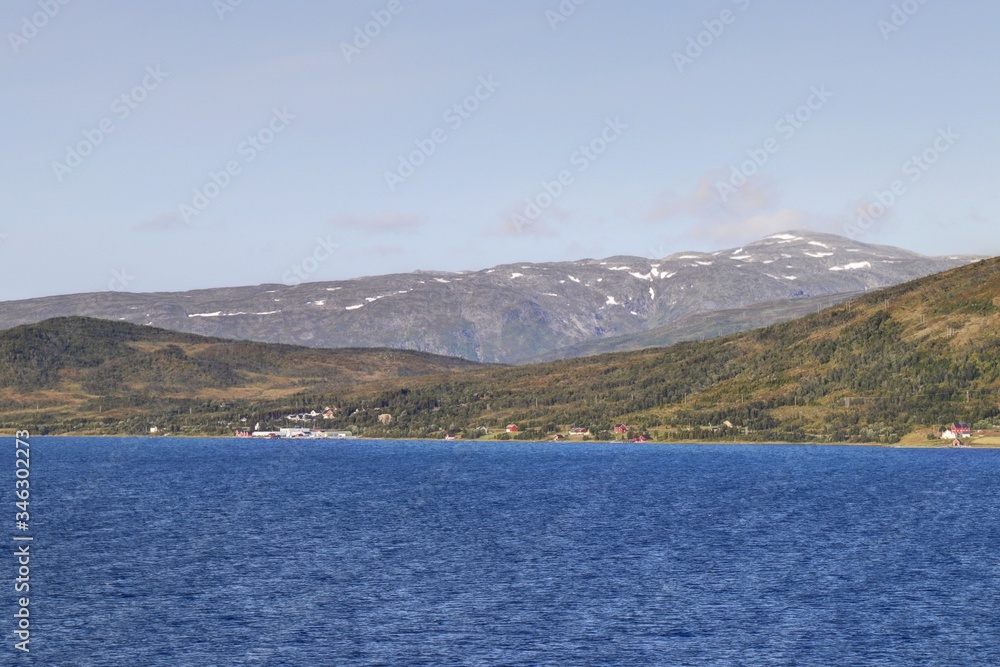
386	221
752	212
164	221
516	223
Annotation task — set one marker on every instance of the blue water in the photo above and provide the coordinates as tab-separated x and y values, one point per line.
233	552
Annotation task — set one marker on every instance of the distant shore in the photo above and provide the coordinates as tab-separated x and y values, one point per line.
899	445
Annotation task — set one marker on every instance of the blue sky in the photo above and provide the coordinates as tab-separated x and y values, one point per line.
200	143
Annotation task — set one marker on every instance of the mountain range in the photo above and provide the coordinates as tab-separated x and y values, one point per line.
520	313
892	364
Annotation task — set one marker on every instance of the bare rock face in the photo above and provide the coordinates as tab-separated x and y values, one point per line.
515	313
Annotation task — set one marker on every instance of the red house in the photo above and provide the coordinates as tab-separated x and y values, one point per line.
961	429
512	428
621	428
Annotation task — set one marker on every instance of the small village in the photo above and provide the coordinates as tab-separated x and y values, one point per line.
308	425
307	420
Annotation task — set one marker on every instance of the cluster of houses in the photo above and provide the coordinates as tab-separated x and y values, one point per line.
294	433
619	429
308	432
331	413
312	415
957	431
512	428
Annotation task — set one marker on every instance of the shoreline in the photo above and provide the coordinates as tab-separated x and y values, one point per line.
549	442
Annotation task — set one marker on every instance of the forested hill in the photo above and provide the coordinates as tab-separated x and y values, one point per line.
70	370
873	369
890	363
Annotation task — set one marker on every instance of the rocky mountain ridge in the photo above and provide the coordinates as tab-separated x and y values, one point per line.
512	313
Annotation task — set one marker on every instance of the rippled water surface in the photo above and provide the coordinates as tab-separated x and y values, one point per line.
230	552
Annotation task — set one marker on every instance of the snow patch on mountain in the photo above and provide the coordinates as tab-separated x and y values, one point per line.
853	266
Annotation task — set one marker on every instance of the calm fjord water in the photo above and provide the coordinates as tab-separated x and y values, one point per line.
233	552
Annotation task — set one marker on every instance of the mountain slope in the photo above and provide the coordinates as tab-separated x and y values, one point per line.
703	326
510	313
871	370
72	361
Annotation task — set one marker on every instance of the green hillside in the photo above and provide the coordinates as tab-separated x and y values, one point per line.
871	370
875	369
77	373
704	326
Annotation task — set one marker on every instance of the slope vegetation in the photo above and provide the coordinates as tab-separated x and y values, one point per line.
68	370
870	370
873	369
